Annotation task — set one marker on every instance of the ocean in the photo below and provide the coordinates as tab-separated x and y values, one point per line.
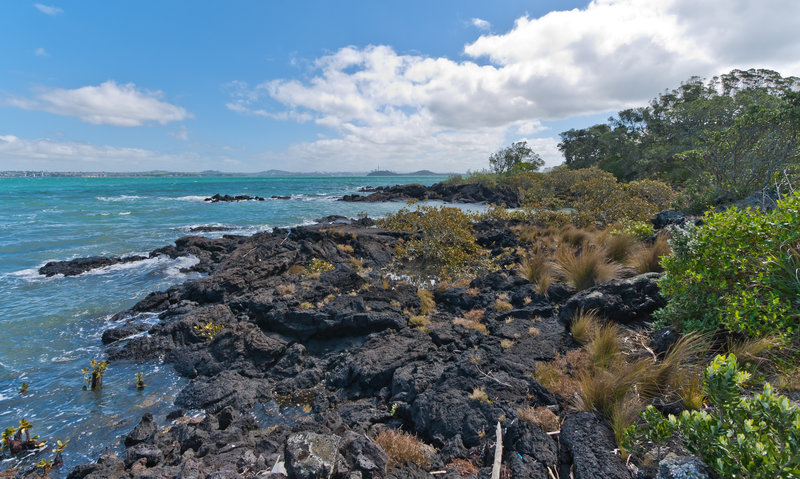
50	328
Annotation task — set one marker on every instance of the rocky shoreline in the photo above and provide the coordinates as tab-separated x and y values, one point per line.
466	193
334	357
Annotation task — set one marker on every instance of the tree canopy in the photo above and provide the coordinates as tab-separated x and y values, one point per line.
727	137
516	158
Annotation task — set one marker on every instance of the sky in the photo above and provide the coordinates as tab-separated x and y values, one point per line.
248	86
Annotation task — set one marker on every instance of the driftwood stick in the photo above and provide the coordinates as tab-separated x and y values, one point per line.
498	453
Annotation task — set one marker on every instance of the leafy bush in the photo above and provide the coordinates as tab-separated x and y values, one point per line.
743	437
442	244
731	273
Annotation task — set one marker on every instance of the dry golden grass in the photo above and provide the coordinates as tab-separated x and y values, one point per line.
506	343
587	268
648	258
306	305
751	351
402	447
534	331
286	289
602	389
297	269
502	306
472	292
584	326
561	375
464	467
416	321
356	263
472	320
541	416
427	304
623	414
478	394
345	248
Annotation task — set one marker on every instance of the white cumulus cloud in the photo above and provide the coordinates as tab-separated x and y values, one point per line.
48	9
612	54
481	24
41	52
47	154
106	104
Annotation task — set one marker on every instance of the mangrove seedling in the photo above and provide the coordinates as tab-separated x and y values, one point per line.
16	444
208	330
139	381
93	375
24	388
60	446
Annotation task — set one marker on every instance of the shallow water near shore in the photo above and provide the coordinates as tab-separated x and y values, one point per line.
50	328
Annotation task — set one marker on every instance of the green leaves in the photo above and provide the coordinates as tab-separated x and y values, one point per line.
726	274
756	437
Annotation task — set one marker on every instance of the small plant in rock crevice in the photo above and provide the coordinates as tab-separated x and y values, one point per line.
402	447
208	330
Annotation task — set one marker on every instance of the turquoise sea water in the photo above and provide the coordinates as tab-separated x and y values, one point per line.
50	328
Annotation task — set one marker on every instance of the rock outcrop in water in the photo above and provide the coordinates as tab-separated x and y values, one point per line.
228	198
467	193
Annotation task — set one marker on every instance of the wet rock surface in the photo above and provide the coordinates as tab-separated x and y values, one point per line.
309	367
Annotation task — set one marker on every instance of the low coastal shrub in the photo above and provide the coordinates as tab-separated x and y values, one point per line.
731	272
742	437
442	244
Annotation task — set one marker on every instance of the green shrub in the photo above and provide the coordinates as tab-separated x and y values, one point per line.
442	244
735	272
743	437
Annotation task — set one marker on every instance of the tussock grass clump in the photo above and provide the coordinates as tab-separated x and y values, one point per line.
605	347
750	351
402	447
584	326
478	394
541	416
356	263
648	258
618	247
602	389
585	269
561	375
536	268
473	320
575	237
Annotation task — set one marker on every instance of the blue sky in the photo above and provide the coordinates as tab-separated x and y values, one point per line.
349	86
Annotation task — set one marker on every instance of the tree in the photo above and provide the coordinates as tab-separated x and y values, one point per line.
515	158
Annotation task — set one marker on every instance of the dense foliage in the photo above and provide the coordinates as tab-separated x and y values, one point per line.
441	244
722	139
743	437
739	272
516	158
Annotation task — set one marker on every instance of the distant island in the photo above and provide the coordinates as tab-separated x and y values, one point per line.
159	173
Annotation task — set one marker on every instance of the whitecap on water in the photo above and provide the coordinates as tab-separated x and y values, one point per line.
187	198
118	198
